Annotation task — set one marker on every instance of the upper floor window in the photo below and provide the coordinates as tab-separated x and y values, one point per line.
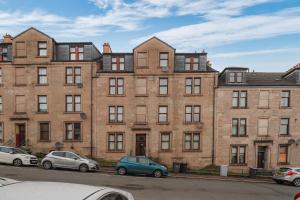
193	86
141	114
1	105
42	103
263	99
73	131
73	103
239	127
116	114
116	86
73	75
192	114
20	49
284	126
163	86
163	60
191	63
42	49
117	63
239	99
235	77
238	154
192	141
76	53
142	59
1	78
285	99
42	75
162	114
3	54
165	141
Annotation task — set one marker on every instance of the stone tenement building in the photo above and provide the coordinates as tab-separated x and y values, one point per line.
45	92
153	101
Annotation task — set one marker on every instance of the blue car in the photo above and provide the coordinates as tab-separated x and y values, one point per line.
140	165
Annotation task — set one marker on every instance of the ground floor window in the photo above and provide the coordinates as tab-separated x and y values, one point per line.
115	142
165	141
1	132
44	131
192	141
238	154
283	154
73	131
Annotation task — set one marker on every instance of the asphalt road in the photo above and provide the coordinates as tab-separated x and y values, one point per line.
148	188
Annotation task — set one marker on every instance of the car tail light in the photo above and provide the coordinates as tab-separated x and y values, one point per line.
291	173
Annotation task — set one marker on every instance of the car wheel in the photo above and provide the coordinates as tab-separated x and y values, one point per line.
83	168
296	182
17	162
279	182
157	174
122	171
47	165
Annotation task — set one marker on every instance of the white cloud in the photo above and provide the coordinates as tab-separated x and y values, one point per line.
228	30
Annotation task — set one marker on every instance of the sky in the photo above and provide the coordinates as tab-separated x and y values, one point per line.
263	35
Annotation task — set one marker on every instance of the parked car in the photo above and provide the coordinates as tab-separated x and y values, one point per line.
287	174
69	160
140	165
29	190
17	157
297	196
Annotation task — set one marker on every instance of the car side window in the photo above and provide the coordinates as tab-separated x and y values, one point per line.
71	155
131	159
298	170
143	160
59	154
114	196
6	150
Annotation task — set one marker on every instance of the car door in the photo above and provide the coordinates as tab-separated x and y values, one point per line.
71	160
2	155
144	165
7	155
132	165
57	159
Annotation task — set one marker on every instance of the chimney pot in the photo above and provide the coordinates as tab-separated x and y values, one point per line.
7	38
106	48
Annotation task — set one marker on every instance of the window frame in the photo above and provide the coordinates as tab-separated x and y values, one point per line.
41	76
238	125
115	141
49	131
40	49
73	76
116	86
163	59
73	103
238	155
239	99
163	141
237	77
72	131
287	127
40	104
116	114
163	86
163	114
78	52
286	147
192	114
118	63
192	141
191	63
284	99
192	85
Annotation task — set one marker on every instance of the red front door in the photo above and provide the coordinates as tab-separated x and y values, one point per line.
20	135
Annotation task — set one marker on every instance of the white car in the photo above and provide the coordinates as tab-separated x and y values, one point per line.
287	174
17	157
29	190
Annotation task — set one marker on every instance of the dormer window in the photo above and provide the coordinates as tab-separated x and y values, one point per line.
163	60
117	63
3	54
76	53
191	63
235	77
42	48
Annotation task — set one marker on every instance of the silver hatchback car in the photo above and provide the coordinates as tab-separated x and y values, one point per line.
69	160
287	174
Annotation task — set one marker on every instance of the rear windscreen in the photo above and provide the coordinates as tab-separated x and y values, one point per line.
284	169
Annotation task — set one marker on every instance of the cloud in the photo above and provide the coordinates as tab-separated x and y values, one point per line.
257	52
229	30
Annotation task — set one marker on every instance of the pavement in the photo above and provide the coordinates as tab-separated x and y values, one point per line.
148	188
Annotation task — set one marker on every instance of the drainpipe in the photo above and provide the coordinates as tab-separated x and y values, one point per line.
214	114
92	105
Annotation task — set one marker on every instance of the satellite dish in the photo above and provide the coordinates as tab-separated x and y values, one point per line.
291	141
83	115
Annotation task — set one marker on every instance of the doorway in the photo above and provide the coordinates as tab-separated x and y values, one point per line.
20	135
140	146
262	157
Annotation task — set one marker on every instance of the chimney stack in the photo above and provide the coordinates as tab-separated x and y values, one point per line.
7	38
106	48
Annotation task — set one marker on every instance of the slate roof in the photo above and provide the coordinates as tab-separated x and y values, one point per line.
261	79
